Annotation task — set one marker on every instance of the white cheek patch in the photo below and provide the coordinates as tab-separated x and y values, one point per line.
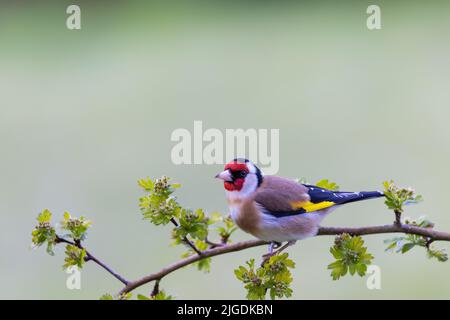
250	184
251	167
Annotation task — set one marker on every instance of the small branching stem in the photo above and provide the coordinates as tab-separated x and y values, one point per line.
90	257
186	240
155	290
213	244
398	217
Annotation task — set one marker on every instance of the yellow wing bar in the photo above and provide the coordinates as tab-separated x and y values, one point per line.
308	206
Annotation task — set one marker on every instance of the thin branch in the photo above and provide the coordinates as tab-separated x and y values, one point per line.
104	266
398	217
189	260
390	228
90	257
239	246
186	240
155	290
213	244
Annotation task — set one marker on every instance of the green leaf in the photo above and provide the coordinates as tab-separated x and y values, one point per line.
227	229
214	217
391	247
338	269
327	185
161	295
125	296
439	254
361	269
146	184
351	256
407	246
106	296
44	216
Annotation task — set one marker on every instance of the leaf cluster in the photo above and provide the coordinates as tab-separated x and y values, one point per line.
274	277
75	256
403	244
45	233
161	295
351	256
158	205
77	227
397	197
191	223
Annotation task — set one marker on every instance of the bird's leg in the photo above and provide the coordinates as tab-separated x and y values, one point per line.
273	245
271	253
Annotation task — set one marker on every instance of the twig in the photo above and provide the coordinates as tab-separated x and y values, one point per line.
189	260
390	228
398	217
155	290
214	244
90	257
186	240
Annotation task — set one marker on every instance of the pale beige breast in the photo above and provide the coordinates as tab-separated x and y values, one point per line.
246	215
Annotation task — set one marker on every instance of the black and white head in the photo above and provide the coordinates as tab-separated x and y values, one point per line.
240	178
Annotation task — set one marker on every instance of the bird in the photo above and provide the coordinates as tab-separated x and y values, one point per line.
277	209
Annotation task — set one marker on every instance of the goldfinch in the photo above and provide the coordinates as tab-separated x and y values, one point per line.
277	209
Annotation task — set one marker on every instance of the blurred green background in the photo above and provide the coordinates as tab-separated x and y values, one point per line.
84	114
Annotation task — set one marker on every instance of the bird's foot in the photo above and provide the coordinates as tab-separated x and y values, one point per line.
266	257
273	245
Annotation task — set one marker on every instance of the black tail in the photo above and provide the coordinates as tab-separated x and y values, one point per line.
347	197
318	195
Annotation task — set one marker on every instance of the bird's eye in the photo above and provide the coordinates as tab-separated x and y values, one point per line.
239	174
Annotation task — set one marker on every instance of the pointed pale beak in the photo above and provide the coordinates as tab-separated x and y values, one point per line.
225	176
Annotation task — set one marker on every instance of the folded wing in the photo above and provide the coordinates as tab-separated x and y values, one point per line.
282	197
